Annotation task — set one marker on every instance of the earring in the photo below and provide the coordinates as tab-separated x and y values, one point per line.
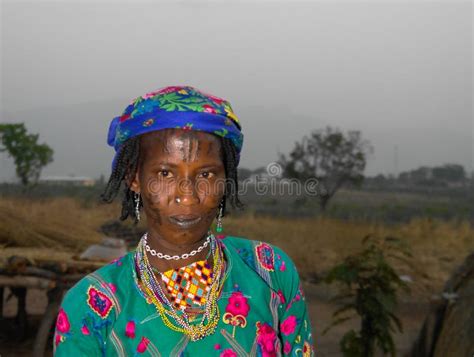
137	206
219	217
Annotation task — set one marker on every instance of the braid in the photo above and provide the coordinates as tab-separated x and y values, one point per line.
127	163
232	183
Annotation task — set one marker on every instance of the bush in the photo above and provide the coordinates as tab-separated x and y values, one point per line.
371	286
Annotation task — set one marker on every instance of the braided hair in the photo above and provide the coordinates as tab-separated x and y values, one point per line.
126	167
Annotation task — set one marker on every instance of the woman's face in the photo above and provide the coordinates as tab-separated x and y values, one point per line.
185	165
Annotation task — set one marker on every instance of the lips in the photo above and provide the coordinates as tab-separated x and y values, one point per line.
185	217
184	221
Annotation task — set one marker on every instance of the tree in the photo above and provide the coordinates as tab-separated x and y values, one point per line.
421	174
330	157
370	292
29	156
449	173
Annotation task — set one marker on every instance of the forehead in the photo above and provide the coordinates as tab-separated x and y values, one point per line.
176	141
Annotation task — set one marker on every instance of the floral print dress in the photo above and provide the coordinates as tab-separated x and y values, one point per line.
262	308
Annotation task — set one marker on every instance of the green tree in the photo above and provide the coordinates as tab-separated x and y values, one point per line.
29	156
449	173
370	292
330	157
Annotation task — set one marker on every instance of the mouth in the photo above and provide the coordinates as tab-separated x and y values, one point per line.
184	221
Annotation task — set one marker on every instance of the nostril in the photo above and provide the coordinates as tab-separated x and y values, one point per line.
187	200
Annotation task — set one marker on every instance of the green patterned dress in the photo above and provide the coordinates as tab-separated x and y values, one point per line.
262	308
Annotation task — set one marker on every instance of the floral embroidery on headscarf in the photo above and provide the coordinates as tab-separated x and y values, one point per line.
187	127
148	122
183	107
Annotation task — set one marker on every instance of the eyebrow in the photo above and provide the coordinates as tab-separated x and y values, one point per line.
164	164
205	166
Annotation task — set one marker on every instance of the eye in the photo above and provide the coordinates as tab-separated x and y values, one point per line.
207	174
165	173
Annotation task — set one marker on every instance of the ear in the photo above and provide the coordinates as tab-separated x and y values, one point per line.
133	183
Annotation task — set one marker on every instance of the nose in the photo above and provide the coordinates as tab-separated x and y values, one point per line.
187	193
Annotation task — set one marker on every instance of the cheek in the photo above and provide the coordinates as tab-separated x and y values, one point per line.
211	204
156	201
209	215
157	192
212	189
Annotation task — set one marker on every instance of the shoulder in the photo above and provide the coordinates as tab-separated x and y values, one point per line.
271	262
98	290
88	309
269	256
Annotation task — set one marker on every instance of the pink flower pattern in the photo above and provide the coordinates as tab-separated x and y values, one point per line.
209	109
288	326
142	346
237	311
111	286
130	329
282	297
85	330
266	338
58	339
228	353
62	322
238	304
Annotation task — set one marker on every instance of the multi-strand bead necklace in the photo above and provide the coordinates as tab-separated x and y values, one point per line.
152	288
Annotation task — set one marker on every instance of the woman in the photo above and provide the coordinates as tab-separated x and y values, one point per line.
183	290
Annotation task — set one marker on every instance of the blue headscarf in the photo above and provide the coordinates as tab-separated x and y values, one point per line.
181	107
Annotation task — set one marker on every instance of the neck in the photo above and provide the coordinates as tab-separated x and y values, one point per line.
165	246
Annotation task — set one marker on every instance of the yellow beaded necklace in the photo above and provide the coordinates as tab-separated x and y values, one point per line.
156	295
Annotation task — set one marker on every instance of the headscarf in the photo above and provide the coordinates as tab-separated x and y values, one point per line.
181	107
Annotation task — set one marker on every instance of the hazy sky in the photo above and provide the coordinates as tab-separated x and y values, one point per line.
401	72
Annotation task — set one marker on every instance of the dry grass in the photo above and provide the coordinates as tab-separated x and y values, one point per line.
314	244
60	223
318	244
